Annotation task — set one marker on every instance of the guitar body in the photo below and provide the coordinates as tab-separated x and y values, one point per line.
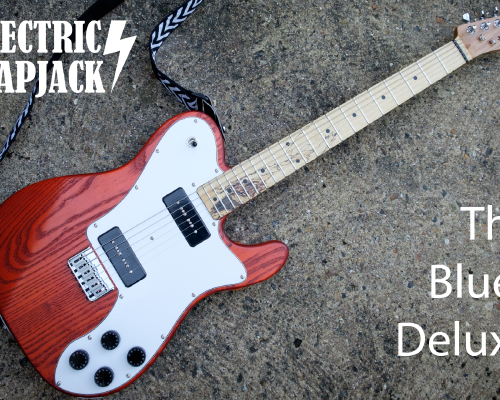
44	226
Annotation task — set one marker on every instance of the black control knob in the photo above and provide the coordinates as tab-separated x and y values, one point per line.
136	356
79	359
103	376
110	340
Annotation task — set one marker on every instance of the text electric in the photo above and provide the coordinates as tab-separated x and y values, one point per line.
69	38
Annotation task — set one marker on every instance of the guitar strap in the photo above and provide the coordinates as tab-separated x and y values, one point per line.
191	100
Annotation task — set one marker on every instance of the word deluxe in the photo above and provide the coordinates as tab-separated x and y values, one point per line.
446	287
62	32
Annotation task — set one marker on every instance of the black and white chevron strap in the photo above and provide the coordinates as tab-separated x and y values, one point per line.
20	121
192	101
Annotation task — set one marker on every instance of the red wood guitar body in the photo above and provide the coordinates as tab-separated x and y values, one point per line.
45	224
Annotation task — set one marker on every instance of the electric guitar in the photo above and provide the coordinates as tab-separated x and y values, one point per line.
99	270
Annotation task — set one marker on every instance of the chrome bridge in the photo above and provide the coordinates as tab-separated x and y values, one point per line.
90	274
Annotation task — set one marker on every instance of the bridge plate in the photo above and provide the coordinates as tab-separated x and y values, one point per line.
90	274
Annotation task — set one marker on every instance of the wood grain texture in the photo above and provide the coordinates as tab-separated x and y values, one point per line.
45	224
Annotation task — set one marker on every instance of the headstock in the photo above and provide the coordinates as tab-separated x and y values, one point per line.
481	36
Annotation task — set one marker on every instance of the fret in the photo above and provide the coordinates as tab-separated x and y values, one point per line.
236	185
426	77
331	123
409	87
399	88
212	209
245	181
319	131
368	106
321	143
286	164
290	151
390	91
221	210
220	194
366	119
272	164
439	58
375	101
303	146
415	78
450	56
312	146
433	68
258	173
307	144
263	171
229	191
225	194
255	180
384	97
345	116
342	124
298	148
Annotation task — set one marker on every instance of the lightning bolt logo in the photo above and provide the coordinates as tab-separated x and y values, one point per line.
115	44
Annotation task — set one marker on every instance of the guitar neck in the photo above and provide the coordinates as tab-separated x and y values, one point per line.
251	177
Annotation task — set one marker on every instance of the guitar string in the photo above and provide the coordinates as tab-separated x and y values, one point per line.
304	141
359	105
353	105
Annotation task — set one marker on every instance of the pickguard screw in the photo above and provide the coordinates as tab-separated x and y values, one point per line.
121	296
95	225
194	295
157	150
59	383
89	337
128	375
213	223
193	184
136	187
163	336
242	277
195	121
152	238
216	170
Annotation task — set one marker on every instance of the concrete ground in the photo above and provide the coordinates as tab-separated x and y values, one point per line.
364	223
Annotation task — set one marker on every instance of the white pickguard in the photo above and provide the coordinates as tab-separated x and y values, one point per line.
145	313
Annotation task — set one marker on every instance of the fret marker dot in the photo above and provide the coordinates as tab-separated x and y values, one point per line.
297	160
415	78
229	190
215	198
354	115
328	131
244	181
262	170
287	143
383	97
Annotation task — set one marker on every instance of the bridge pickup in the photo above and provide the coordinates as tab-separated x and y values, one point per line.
186	217
122	256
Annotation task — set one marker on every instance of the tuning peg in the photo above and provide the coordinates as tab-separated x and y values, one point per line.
495	12
466	17
485	25
482	14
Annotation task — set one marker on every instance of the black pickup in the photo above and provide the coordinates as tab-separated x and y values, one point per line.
186	217
122	256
